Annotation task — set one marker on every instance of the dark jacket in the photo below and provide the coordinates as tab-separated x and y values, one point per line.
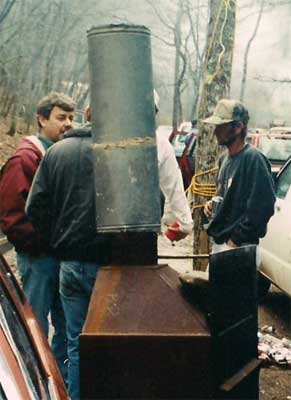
248	201
61	204
15	182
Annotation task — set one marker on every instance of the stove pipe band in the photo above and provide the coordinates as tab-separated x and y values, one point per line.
123	126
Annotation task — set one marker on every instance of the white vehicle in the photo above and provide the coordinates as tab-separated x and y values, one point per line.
276	245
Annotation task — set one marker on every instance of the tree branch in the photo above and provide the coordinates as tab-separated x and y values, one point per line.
6	9
159	15
246	55
271	80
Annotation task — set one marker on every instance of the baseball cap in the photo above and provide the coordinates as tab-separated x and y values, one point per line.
226	111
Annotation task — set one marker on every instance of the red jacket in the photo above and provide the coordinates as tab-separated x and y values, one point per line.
15	182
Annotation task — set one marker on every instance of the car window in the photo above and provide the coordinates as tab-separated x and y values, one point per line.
22	347
284	182
2	394
181	138
276	148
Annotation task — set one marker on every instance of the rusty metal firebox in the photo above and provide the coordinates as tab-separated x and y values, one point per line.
145	336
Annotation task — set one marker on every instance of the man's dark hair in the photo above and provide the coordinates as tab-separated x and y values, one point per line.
244	131
54	99
241	117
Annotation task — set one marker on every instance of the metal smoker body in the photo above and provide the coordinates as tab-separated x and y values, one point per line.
144	337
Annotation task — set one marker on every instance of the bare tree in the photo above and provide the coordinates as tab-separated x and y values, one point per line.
272	79
178	42
216	85
195	68
177	103
186	37
41	45
247	50
5	9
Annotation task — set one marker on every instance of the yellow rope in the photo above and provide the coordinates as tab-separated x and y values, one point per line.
207	190
218	68
210	77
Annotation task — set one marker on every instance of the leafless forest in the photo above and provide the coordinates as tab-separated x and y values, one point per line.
43	47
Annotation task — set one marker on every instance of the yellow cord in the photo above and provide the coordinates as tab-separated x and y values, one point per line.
207	190
218	68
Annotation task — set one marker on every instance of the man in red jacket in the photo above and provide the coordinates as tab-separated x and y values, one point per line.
39	271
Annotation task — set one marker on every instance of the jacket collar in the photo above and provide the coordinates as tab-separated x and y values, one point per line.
82	132
35	141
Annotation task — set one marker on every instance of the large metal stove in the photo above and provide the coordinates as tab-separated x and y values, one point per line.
146	336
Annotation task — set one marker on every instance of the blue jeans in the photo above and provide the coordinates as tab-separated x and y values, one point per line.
76	284
40	281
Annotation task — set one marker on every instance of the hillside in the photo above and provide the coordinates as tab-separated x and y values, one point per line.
8	143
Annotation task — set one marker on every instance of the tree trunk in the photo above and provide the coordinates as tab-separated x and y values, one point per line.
216	85
13	122
177	96
5	10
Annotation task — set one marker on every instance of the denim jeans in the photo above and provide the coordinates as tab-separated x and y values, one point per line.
40	281
76	284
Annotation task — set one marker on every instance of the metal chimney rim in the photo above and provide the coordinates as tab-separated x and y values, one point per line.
117	28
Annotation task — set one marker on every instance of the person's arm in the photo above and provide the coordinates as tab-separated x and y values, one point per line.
260	202
14	187
38	201
171	184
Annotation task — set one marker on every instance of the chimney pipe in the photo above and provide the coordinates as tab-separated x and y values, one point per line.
123	125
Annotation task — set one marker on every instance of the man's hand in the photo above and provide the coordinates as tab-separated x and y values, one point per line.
208	209
230	243
174	233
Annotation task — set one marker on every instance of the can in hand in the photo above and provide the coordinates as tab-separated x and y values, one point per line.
216	204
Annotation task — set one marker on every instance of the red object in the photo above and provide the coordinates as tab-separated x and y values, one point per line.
187	161
22	338
15	182
173	233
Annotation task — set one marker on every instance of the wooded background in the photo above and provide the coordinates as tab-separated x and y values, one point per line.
43	47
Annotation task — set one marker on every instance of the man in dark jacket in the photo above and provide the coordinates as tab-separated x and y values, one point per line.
39	272
244	182
62	205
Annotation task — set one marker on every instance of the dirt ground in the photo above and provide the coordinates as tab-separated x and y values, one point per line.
7	143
